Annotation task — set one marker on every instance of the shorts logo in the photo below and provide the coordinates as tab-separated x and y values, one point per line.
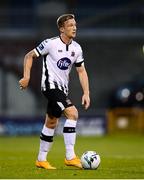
41	47
64	63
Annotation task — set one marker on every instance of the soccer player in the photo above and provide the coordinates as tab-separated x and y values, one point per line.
59	54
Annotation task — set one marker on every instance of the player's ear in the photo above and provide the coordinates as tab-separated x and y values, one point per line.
61	29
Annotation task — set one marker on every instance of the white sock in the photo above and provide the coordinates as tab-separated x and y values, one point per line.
45	143
69	138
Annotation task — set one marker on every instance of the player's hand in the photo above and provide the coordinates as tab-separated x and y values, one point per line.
85	101
23	83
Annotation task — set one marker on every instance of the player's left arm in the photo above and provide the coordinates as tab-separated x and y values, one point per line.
83	77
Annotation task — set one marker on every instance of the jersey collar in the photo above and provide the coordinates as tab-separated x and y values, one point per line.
64	42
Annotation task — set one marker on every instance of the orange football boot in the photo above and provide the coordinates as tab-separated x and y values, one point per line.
44	164
74	162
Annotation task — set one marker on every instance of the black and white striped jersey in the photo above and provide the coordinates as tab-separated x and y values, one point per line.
58	59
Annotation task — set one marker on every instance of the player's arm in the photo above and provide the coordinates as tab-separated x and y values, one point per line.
83	77
28	61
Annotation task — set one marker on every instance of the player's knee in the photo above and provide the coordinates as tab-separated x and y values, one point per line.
71	113
51	122
74	115
52	125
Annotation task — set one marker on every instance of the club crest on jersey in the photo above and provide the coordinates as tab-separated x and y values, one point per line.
63	63
72	53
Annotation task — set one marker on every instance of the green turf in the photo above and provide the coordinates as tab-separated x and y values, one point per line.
121	157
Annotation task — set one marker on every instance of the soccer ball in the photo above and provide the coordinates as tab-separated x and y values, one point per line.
90	160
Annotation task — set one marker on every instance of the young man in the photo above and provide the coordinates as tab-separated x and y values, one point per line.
59	54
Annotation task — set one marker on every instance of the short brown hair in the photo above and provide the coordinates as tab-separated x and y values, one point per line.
63	18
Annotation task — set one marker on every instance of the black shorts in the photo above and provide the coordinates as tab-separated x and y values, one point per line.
57	102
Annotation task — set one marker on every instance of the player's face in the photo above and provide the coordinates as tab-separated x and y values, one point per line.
69	28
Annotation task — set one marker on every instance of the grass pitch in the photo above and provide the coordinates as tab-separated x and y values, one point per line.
122	156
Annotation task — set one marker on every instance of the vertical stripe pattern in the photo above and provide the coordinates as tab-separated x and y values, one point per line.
47	85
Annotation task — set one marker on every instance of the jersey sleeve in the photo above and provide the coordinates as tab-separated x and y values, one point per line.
43	48
80	58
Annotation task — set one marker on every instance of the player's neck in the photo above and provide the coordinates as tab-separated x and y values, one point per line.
65	39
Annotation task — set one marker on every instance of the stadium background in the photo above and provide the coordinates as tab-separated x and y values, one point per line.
111	34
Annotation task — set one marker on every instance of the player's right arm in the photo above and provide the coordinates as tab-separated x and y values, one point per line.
42	49
28	61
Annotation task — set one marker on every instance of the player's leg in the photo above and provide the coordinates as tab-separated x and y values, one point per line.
46	141
69	133
46	137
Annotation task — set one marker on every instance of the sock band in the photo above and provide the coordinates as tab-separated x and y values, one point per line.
46	138
69	130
